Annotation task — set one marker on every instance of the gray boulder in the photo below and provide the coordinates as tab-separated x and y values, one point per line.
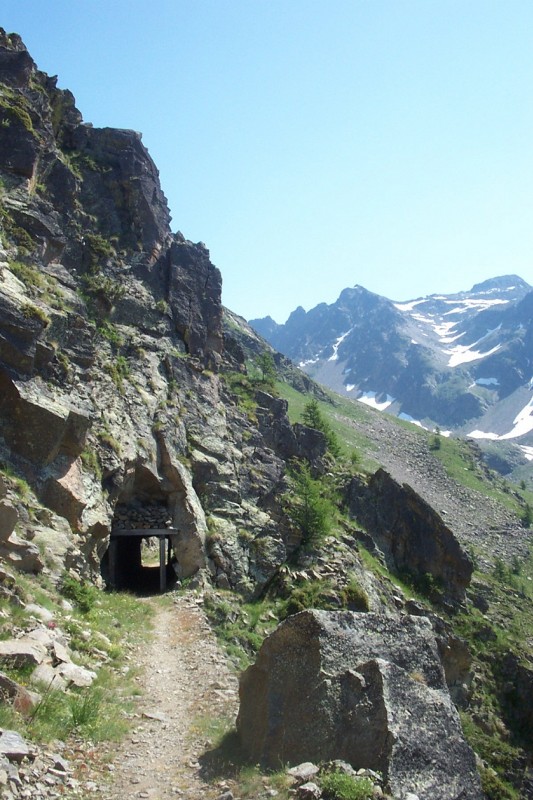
365	688
23	652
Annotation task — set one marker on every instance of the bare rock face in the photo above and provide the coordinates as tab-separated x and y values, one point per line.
38	426
364	688
410	533
199	321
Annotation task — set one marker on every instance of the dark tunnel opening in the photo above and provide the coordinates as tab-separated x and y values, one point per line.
124	568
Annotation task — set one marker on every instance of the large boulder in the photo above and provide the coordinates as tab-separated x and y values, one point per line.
8	519
23	652
364	688
410	533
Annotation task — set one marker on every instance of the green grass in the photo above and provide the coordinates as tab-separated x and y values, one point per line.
455	454
15	108
338	415
108	623
241	627
95	713
29	276
118	370
33	312
20	485
244	389
458	460
499	754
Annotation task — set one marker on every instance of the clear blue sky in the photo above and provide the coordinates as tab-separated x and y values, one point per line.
316	145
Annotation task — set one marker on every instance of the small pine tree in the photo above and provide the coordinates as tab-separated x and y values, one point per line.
313	418
267	367
308	510
435	443
311	415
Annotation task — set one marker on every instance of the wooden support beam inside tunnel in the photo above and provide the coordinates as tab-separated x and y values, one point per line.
163	534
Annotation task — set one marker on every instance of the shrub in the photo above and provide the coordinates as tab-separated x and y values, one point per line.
339	786
81	593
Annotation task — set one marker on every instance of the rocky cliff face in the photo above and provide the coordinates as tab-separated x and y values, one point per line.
411	535
112	348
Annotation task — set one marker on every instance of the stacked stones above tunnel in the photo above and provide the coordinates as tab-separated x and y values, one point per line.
141	516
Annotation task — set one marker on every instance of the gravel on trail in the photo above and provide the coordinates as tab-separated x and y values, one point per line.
186	684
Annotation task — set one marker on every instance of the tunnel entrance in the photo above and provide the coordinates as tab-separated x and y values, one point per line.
126	567
140	556
157	534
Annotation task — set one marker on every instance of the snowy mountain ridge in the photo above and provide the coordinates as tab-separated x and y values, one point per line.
461	362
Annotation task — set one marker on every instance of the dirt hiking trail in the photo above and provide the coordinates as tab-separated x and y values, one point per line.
186	684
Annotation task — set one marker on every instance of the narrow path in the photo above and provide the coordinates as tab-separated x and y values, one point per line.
186	686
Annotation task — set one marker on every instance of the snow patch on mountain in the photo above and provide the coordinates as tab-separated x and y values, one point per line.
336	345
487	382
483	435
370	399
522	424
462	306
527	451
410	305
463	354
409	418
444	330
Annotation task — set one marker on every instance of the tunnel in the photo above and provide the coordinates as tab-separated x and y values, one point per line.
140	556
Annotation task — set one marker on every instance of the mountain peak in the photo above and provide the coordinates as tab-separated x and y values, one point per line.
427	359
500	283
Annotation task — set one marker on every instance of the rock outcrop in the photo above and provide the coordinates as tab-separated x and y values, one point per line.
409	532
364	688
